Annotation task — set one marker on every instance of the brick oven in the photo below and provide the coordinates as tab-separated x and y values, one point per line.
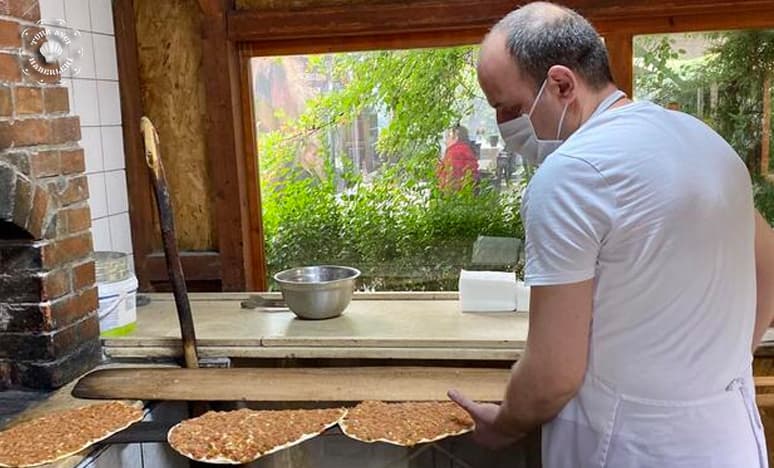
48	299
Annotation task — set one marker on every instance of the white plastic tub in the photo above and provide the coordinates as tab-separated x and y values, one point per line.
118	306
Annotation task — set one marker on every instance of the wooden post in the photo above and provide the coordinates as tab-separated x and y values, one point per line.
141	215
226	155
766	125
257	261
620	50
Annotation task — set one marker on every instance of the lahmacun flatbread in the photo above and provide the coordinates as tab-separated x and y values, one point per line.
63	433
405	424
243	436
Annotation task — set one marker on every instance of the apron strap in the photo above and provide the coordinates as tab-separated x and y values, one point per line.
742	385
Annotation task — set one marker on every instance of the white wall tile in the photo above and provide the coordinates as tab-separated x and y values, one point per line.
97	196
115	183
86	101
68	83
121	233
109	102
113	147
101	16
106	67
52	9
85	63
77	14
100	233
91	142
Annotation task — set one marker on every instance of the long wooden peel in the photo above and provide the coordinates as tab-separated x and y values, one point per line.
172	256
293	384
166	217
308	384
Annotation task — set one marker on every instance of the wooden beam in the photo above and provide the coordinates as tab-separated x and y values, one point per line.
766	124
765	400
210	7
365	42
720	20
621	52
224	145
360	19
370	18
256	263
141	215
764	381
197	266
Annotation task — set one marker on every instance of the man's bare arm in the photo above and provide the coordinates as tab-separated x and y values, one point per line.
764	277
554	363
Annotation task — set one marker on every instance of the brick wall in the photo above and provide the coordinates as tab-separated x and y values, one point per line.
48	299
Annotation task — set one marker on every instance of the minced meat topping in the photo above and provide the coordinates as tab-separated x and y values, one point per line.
244	435
63	433
405	423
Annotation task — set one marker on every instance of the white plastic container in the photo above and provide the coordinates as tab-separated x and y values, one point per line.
488	291
118	306
522	296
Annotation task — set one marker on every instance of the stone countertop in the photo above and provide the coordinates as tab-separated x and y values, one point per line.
375	325
419	326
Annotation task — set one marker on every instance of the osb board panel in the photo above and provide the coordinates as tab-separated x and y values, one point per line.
761	367
173	96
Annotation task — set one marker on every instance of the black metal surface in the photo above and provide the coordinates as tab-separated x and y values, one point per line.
141	432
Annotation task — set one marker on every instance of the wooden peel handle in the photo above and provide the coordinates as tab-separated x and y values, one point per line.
167	219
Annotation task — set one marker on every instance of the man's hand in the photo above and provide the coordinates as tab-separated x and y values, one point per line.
484	416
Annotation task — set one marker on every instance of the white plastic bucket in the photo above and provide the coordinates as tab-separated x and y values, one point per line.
117	306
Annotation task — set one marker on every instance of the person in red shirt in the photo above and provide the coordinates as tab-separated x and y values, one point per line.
459	163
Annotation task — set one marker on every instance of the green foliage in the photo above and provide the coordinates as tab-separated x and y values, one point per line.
424	92
401	237
398	227
735	66
655	79
739	65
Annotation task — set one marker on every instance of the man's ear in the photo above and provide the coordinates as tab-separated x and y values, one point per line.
563	81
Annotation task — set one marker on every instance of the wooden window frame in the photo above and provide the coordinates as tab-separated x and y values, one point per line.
231	37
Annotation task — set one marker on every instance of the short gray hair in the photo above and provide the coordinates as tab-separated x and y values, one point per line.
540	35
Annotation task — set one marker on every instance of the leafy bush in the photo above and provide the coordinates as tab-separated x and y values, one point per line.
402	236
394	224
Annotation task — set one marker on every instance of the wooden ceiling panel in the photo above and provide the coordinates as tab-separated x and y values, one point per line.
328	19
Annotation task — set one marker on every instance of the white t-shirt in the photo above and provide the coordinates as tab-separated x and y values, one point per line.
658	209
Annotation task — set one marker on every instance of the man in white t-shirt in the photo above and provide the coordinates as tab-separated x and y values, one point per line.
652	275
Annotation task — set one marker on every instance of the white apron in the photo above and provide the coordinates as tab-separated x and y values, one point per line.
604	428
601	428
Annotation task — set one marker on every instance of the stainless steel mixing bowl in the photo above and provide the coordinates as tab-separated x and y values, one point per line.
317	292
